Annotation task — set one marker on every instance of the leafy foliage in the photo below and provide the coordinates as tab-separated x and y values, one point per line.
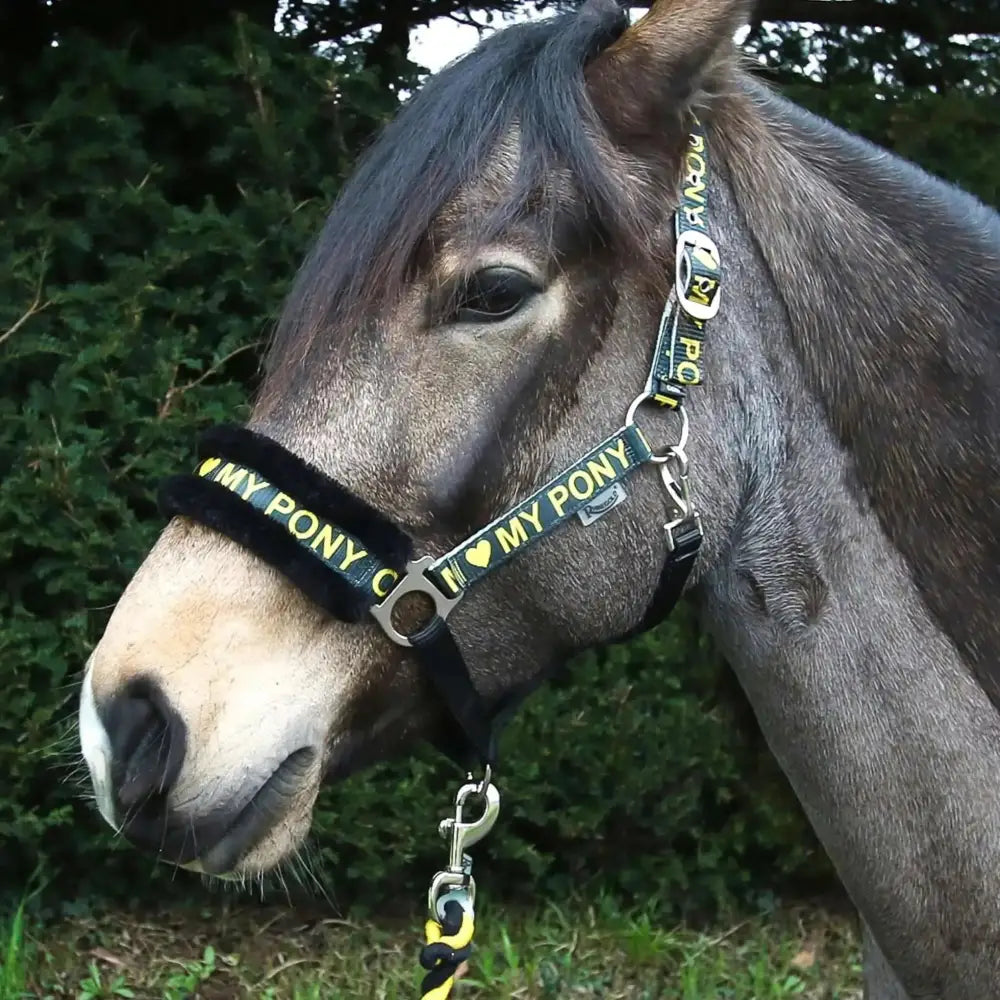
156	212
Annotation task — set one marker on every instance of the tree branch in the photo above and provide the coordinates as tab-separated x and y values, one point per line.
34	309
931	20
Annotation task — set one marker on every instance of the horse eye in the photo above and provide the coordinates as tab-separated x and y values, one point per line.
492	294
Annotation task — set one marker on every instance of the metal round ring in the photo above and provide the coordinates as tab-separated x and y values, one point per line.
634	407
655	458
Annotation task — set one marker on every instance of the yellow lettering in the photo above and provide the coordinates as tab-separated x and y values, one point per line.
617	450
699	291
558	496
533	516
584	492
311	520
695	216
694	191
282	503
325	537
697	142
696	177
512	538
252	486
600	469
688	373
352	555
707	259
692	348
231	476
383	580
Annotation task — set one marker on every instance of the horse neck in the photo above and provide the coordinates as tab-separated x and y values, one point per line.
868	704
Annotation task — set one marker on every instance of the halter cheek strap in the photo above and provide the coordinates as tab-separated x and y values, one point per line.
350	559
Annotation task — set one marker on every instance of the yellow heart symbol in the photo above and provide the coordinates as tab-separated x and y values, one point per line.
209	466
479	554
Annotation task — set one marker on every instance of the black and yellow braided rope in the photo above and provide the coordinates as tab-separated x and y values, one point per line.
448	946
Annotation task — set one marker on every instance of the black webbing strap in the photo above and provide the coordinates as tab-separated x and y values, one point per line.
444	665
673	577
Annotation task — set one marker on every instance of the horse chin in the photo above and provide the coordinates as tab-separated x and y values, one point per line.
268	829
275	822
223	861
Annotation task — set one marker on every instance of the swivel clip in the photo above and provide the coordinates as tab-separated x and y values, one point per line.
674	473
461	834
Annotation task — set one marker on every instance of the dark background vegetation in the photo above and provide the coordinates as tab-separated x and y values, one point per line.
162	170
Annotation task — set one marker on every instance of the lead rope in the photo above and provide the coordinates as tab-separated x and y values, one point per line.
451	899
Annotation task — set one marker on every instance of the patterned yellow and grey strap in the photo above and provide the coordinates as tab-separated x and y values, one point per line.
677	360
588	483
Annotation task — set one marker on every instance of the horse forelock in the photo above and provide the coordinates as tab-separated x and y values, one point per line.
526	81
891	279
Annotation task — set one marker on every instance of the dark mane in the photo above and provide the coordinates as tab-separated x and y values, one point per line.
529	74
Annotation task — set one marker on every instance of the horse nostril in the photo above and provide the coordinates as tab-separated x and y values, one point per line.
147	744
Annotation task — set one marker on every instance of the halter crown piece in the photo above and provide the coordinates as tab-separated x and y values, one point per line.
357	564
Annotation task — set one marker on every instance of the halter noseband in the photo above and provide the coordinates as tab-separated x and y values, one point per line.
354	562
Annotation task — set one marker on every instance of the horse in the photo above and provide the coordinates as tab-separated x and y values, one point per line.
576	197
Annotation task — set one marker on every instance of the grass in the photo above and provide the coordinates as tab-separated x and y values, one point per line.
578	951
13	973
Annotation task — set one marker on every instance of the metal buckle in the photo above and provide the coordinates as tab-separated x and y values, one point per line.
462	834
413	581
687	242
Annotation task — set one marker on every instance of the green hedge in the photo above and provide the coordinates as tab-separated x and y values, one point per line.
153	216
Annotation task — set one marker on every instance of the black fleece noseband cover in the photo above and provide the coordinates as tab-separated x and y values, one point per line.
216	507
312	488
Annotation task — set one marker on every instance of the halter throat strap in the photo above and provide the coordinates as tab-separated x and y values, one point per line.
354	562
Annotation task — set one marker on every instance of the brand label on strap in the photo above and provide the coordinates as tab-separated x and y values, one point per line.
558	500
339	551
602	504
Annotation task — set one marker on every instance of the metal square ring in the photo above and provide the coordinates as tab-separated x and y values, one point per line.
414	580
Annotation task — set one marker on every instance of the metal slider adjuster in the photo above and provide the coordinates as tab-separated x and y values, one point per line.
413	581
689	241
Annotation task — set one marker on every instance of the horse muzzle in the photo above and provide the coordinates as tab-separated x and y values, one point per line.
135	745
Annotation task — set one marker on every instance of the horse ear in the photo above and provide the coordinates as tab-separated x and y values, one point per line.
658	65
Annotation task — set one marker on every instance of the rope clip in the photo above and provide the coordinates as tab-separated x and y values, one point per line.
462	834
